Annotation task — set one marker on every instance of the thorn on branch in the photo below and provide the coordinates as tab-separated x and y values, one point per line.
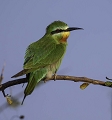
108	78
3	93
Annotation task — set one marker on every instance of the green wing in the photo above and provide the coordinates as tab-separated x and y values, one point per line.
41	54
37	51
54	55
44	54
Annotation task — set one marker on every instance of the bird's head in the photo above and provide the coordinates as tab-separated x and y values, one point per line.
60	30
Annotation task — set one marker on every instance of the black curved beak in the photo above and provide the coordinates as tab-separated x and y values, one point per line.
73	28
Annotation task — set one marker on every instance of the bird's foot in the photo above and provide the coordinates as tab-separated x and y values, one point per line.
55	76
45	80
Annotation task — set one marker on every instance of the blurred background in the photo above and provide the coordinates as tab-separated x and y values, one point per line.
89	54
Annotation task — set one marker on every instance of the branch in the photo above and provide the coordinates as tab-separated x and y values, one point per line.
57	77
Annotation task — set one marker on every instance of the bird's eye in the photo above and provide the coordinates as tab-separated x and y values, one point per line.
56	31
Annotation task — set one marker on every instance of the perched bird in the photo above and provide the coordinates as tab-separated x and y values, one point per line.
43	57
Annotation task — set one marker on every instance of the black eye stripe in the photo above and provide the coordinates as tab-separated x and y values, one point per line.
57	31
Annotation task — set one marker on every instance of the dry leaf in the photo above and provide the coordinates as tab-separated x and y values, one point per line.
84	85
9	100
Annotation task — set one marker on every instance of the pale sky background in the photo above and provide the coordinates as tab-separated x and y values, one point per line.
89	54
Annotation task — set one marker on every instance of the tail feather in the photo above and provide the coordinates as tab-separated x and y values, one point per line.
20	73
30	86
23	99
34	78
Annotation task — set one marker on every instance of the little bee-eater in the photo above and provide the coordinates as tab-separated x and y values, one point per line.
43	57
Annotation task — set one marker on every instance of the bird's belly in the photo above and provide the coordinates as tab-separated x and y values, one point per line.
53	68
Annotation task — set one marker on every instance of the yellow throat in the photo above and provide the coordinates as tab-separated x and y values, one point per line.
65	35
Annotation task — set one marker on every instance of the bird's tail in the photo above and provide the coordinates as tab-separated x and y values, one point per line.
34	78
23	99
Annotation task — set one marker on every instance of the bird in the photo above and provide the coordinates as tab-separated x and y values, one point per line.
43	57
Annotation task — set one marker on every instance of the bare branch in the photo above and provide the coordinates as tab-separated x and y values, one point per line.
1	76
58	77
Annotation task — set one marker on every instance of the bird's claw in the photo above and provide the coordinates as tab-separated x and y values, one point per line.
45	80
55	76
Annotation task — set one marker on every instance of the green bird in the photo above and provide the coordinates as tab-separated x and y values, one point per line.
43	57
